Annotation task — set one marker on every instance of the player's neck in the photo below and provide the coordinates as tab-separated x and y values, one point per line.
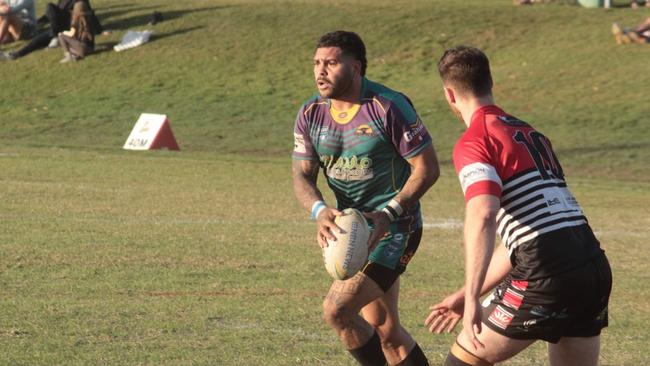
470	106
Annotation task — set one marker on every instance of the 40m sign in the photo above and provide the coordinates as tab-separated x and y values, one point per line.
151	131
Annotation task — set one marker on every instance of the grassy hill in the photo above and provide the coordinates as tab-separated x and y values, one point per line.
203	257
232	74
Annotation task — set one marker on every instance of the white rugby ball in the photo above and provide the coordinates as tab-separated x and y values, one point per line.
345	256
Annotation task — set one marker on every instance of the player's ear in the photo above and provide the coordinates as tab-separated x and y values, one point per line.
357	67
449	94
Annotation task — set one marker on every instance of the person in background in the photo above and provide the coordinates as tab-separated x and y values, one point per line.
59	17
635	4
17	20
639	34
79	40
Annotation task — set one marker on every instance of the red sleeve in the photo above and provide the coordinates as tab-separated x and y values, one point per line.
475	165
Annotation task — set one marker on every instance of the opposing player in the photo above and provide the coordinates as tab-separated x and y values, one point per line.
377	157
552	279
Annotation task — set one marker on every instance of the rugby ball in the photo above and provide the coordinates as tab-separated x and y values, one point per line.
345	256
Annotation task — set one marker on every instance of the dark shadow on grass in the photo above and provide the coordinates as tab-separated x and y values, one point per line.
158	36
107	15
143	19
108	46
104	47
114	6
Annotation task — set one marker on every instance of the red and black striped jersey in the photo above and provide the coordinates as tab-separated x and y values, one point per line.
540	222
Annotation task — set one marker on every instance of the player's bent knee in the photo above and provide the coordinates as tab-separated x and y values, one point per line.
334	314
459	356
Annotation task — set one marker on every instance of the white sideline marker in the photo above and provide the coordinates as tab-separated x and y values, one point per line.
151	131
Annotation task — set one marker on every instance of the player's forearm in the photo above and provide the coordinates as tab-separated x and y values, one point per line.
480	227
414	188
425	172
499	268
305	188
477	256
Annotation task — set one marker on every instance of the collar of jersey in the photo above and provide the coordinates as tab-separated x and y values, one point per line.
350	113
344	117
486	109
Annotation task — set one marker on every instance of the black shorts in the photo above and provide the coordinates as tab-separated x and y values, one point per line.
571	304
395	250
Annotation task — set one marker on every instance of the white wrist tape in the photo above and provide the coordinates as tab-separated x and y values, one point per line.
316	208
393	210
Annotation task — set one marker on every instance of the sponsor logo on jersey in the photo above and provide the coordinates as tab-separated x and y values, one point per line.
512	299
350	168
500	317
476	172
365	131
415	131
299	143
322	134
553	202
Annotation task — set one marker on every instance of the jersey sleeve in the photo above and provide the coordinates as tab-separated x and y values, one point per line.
475	167
302	145
407	132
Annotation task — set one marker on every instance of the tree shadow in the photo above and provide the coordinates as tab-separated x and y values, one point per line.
142	19
108	46
158	36
116	6
104	16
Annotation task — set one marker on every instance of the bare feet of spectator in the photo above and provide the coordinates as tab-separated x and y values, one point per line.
620	35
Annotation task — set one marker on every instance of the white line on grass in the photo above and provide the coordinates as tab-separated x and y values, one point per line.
445	224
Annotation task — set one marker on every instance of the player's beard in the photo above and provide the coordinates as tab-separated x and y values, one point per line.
339	87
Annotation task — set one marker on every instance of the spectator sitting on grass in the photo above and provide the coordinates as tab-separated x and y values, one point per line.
638	34
635	4
17	20
59	17
79	41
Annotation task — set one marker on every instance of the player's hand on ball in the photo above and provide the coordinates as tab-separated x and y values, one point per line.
327	226
381	224
445	315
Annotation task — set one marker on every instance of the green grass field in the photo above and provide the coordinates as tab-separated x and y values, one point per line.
203	256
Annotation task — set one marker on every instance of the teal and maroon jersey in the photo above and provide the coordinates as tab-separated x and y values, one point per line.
363	151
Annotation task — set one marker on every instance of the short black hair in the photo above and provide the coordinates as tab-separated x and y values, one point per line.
466	69
349	42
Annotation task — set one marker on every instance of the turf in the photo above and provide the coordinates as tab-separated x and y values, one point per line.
202	256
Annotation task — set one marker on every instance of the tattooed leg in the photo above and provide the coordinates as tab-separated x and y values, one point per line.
342	305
